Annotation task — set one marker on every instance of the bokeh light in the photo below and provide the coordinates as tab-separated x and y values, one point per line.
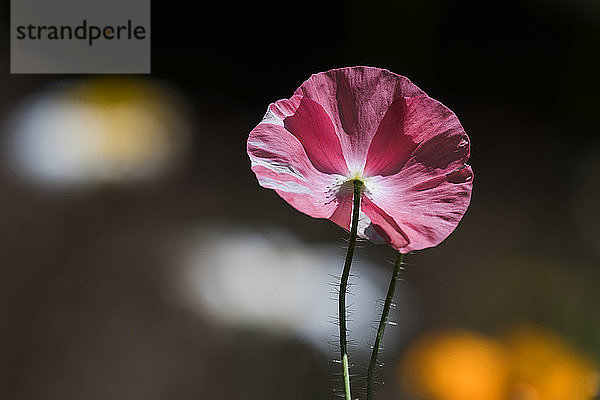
547	367
527	363
268	280
101	130
457	365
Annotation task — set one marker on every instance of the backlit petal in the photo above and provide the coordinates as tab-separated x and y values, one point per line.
314	129
425	209
426	191
356	99
280	162
383	227
391	146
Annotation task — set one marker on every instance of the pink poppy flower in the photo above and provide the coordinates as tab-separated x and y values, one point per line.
367	123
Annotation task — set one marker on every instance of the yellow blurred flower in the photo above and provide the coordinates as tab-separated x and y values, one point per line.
131	116
528	364
98	130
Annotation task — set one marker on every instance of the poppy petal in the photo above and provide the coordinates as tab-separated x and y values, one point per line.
356	99
280	162
314	129
426	210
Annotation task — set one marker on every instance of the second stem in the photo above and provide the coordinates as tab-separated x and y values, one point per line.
382	323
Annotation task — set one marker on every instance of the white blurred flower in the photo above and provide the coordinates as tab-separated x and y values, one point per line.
271	281
95	131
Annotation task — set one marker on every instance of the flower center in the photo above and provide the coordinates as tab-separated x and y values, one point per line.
357	176
347	184
344	187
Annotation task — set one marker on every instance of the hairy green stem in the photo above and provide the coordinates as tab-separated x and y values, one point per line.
382	323
358	186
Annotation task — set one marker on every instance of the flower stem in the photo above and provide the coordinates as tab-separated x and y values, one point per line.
358	186
382	323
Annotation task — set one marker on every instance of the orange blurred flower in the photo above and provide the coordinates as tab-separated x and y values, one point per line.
456	365
549	367
529	364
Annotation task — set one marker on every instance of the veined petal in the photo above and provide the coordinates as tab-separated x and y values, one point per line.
409	122
383	228
281	163
421	180
391	146
356	99
343	214
314	129
426	208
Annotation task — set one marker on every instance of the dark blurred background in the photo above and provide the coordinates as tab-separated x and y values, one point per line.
98	245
